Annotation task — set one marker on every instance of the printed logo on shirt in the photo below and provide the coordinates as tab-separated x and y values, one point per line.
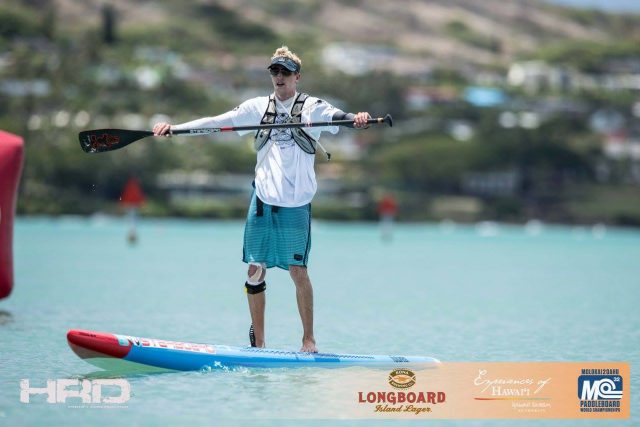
282	137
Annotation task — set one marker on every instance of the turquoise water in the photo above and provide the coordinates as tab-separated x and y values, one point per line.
474	293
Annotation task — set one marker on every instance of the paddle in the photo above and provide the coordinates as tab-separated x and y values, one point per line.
101	140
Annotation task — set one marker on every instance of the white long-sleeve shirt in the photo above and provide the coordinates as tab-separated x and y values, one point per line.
284	173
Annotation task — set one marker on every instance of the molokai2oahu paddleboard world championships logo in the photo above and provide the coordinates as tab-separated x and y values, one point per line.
600	390
402	398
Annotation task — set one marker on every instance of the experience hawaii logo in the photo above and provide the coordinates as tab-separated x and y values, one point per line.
401	400
600	390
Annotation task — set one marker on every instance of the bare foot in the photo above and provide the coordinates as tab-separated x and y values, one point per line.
309	346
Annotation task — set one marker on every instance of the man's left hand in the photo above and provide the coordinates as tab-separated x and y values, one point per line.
360	120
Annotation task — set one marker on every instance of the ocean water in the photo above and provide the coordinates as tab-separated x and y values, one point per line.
486	292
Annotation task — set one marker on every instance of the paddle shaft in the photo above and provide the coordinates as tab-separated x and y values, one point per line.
349	123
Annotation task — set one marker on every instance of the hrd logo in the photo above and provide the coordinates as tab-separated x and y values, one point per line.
89	391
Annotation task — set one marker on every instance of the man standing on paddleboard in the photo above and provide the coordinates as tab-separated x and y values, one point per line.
278	228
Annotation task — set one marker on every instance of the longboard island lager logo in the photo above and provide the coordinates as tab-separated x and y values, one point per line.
401	400
402	378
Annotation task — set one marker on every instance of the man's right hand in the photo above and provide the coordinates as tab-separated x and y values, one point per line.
162	129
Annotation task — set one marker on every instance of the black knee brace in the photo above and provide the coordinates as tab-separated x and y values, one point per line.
255	289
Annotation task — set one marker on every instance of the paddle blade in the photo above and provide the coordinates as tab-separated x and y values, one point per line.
100	140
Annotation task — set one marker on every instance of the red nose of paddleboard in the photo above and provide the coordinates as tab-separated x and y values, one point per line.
88	344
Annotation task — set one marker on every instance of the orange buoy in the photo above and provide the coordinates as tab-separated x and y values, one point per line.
132	198
132	195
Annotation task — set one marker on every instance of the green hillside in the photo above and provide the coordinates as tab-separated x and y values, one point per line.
68	65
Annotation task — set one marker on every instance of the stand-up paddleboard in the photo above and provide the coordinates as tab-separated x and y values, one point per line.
116	352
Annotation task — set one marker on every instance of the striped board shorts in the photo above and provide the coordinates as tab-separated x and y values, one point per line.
277	236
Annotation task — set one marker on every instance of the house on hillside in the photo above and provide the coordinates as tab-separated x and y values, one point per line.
621	145
483	97
420	98
197	186
491	183
538	76
358	59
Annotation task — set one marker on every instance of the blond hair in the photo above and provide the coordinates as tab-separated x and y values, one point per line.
284	51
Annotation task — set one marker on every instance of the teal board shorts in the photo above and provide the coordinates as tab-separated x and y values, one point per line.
277	236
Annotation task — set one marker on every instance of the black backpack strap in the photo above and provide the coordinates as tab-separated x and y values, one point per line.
269	117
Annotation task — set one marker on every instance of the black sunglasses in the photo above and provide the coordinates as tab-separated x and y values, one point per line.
274	71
